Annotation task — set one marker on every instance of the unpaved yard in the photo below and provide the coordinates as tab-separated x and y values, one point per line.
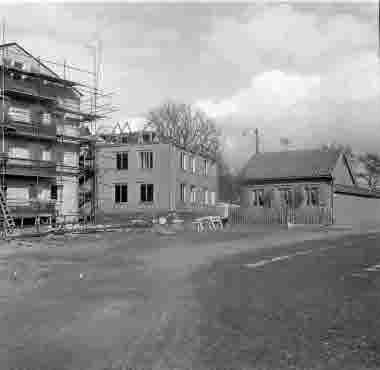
104	301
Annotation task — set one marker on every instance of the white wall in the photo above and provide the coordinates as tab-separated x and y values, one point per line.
69	196
355	210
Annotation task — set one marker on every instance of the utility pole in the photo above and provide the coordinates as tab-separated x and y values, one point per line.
255	132
257	141
3	87
3	155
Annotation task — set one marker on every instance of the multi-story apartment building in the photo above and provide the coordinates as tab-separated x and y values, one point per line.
141	173
41	116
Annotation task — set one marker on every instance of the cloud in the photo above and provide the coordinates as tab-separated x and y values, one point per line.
270	94
341	104
279	35
314	78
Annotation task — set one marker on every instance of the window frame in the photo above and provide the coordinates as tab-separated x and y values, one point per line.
192	164
182	192
193	194
310	201
183	161
205	167
257	198
54	192
146	157
18	65
122	160
287	195
146	192
121	193
212	198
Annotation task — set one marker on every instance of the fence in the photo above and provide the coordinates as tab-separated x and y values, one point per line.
310	215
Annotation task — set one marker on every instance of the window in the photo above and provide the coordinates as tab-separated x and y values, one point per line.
121	193
146	193
202	196
18	65
257	198
54	192
18	193
70	159
183	192
212	198
192	194
33	191
122	161
312	196
46	155
206	196
19	152
205	167
146	159
147	137
192	164
46	118
286	196
19	114
183	161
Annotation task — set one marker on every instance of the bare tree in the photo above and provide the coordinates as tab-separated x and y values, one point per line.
185	125
371	169
345	148
228	182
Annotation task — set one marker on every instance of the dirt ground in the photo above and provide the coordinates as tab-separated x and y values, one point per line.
113	300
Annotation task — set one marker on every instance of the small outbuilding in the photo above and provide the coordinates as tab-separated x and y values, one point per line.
305	186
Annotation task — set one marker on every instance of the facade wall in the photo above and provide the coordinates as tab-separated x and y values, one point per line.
35	152
67	197
18	189
195	178
324	190
356	210
108	176
166	177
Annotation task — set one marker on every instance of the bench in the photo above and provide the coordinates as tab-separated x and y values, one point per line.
210	222
198	225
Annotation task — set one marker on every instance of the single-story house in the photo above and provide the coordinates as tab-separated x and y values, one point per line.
305	186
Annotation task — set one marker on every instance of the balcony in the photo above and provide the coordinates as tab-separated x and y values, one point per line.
64	168
31	130
68	130
30	167
27	89
21	207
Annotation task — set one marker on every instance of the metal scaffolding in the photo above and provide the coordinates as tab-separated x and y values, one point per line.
95	105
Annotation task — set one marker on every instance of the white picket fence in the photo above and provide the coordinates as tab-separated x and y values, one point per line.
307	215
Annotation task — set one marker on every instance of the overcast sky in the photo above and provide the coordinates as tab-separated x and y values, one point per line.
306	71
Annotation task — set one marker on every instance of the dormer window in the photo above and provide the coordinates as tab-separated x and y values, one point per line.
18	65
146	138
155	138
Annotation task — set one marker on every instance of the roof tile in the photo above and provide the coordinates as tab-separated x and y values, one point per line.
290	164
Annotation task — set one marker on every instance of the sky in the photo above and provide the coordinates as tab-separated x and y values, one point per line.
306	71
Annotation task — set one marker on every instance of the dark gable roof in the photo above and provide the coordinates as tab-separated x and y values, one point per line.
54	74
30	55
290	165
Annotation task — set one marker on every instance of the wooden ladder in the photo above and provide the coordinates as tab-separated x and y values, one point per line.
7	219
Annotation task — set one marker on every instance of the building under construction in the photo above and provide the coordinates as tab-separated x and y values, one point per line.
44	131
